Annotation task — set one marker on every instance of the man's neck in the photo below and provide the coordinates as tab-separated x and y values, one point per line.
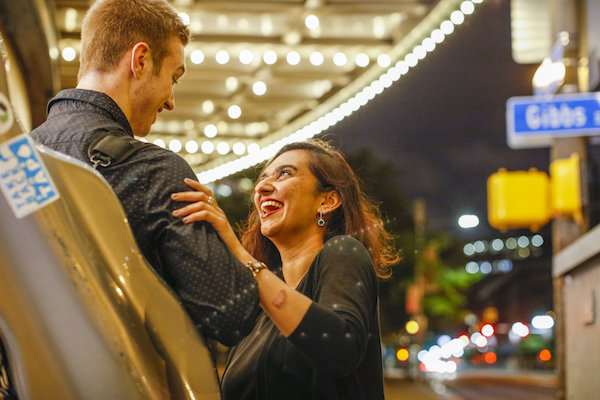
111	85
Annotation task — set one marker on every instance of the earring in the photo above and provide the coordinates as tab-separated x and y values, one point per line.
321	221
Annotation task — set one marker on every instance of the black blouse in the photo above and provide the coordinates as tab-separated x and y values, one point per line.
334	353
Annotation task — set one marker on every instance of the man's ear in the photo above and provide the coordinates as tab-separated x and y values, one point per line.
141	60
331	201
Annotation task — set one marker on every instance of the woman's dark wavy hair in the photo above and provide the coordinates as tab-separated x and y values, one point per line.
357	216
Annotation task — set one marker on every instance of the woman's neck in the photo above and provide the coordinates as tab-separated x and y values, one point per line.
297	257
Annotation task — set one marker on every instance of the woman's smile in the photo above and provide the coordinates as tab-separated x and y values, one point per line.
270	206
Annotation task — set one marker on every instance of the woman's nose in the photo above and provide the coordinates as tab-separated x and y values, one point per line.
263	186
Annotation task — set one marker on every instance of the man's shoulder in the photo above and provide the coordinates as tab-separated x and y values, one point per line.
160	156
161	166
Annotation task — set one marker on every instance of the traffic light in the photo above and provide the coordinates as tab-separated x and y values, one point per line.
528	199
518	199
565	188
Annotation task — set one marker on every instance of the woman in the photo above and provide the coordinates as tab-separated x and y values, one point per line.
324	245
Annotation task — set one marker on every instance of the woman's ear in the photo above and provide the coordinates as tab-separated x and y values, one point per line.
141	60
331	201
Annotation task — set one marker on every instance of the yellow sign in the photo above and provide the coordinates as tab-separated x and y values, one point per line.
518	199
565	188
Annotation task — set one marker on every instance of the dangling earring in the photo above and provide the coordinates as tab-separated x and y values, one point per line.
321	221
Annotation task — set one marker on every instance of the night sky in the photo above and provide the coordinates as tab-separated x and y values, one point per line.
443	123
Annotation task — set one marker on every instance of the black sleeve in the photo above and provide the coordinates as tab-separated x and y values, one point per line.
217	290
334	332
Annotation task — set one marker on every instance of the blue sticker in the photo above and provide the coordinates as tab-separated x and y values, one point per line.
24	180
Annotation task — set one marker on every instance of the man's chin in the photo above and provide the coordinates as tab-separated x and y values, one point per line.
141	132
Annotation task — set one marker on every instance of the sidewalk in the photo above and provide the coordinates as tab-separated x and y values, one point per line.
405	389
475	384
530	378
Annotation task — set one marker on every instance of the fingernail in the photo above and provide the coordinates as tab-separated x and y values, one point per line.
174	196
187	179
176	212
186	220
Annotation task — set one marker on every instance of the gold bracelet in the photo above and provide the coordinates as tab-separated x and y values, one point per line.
255	267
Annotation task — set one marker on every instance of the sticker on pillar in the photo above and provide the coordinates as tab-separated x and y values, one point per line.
24	180
6	117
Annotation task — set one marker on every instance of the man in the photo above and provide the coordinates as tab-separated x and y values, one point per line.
131	57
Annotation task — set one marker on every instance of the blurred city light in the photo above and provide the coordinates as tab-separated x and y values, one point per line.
545	355
497	244
472	267
549	73
445	356
469	249
175	145
412	327
468	221
485	267
487	330
520	329
542	322
442	340
490	357
197	57
465	340
537	240
191	146
69	54
402	354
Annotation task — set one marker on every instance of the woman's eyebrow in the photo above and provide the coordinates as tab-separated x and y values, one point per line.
264	174
287	166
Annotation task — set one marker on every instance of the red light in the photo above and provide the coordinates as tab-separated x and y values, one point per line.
545	355
490	357
487	330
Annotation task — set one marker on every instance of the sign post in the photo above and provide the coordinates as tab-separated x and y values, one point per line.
535	121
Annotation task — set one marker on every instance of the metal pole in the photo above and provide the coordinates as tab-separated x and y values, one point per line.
568	18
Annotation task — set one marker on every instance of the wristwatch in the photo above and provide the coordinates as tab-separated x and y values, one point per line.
255	267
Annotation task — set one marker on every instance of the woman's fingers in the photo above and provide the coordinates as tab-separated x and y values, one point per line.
203	215
187	210
190	196
197	212
197	186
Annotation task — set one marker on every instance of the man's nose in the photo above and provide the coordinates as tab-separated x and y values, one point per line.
170	103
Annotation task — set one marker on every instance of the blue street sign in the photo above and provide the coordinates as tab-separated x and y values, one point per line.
534	121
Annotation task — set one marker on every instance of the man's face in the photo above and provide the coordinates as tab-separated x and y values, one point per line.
155	92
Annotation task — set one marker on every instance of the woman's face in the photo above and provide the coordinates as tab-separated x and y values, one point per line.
287	199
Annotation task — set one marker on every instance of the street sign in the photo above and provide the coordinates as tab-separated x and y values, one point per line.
533	121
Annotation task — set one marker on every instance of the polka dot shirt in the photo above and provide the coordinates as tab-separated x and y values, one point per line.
216	289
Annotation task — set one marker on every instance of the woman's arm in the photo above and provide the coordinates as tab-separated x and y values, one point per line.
333	329
284	305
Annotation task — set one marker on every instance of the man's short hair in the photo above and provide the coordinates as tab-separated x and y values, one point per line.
111	27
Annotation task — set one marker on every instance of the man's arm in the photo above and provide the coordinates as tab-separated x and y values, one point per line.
216	289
